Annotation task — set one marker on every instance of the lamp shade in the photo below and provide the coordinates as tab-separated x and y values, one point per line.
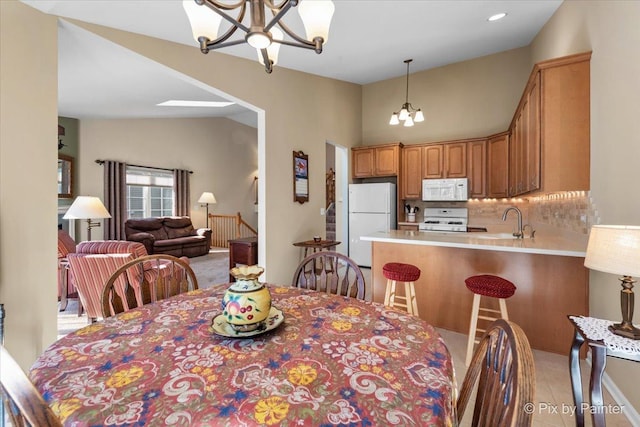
274	48
614	249
207	197
204	21
87	207
316	16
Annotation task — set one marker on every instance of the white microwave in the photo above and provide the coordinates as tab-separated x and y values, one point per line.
442	190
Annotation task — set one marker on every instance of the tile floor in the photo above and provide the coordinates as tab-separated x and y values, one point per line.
552	375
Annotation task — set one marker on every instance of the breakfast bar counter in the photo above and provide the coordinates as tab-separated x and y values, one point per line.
548	272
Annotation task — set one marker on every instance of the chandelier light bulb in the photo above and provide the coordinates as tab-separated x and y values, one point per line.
419	116
259	40
274	48
394	119
404	113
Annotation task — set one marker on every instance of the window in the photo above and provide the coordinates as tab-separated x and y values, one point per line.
149	192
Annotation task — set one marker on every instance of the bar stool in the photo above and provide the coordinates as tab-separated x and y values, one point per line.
398	272
489	286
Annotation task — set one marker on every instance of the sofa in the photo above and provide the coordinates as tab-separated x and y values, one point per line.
169	235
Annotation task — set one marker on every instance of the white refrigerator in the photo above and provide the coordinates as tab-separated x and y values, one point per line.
372	207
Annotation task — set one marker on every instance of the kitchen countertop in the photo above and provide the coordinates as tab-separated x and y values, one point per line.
545	245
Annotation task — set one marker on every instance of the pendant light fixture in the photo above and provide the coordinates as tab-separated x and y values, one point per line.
407	114
205	17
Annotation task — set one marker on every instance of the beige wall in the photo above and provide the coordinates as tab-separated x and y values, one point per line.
468	99
610	30
302	112
222	153
28	200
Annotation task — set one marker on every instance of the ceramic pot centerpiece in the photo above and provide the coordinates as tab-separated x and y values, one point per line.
247	302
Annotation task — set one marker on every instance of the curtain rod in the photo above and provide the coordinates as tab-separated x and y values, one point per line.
101	162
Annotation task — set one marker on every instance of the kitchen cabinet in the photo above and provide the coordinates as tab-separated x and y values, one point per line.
376	161
498	166
477	168
549	147
444	160
432	161
524	154
407	226
411	180
565	123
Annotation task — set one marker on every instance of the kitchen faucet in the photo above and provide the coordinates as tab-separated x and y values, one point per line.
519	234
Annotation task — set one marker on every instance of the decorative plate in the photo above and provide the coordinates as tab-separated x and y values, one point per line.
220	326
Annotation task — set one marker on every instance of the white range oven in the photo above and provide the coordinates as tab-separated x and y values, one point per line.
445	219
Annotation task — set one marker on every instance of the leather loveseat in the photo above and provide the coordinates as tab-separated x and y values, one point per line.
169	235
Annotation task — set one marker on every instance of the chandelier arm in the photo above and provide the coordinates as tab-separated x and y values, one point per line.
307	45
216	44
224	6
282	10
303	42
271	4
236	22
268	63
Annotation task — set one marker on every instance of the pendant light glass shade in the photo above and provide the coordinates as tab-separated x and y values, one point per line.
274	49
419	116
408	122
394	119
404	113
259	40
204	21
316	16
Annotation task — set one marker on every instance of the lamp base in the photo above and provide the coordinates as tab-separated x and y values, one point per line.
627	331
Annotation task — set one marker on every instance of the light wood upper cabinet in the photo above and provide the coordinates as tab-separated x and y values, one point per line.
565	119
411	182
374	161
362	160
476	168
455	160
433	161
550	143
498	166
444	160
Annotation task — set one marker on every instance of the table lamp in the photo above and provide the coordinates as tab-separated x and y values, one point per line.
87	207
205	199
616	249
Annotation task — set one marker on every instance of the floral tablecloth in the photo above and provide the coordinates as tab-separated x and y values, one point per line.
333	361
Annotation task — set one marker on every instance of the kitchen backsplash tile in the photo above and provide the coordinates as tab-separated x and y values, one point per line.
570	211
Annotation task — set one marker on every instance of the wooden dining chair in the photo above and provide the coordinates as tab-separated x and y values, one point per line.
503	370
23	403
330	272
144	280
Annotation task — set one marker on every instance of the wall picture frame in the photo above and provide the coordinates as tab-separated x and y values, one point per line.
300	177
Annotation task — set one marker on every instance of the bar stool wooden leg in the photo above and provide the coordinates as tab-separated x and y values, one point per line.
472	328
503	309
387	294
407	297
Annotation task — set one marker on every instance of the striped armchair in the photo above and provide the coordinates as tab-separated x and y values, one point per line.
92	265
66	288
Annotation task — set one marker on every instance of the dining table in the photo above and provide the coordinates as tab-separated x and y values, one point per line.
323	360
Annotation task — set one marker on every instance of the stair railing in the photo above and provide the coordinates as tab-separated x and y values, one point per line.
228	227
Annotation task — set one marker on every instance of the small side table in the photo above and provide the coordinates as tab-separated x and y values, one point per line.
599	352
316	246
242	251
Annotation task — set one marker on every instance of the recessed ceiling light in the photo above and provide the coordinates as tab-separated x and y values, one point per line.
180	103
497	16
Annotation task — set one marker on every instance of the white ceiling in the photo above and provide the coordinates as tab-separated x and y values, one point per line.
368	42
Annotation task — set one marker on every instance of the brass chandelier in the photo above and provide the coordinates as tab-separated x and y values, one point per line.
407	109
205	17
